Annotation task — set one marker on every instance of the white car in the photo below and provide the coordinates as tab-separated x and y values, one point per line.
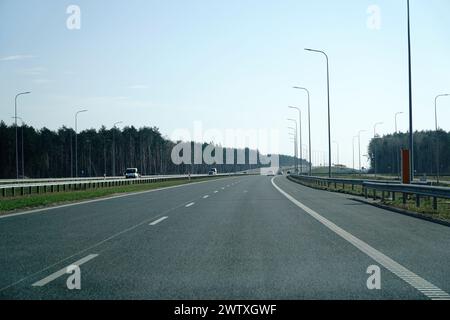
131	173
212	172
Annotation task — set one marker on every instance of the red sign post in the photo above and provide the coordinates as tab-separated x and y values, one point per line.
406	178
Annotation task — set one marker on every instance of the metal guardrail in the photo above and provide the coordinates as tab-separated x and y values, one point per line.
44	180
347	181
387	188
408	189
10	182
326	182
52	187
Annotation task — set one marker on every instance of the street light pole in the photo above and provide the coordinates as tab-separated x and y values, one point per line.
359	148
294	138
114	149
23	156
309	127
329	117
76	141
374	151
23	166
437	136
300	134
15	119
411	132
296	133
375	128
104	157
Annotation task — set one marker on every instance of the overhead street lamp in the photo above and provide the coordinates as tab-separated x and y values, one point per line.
76	140
435	107
114	149
374	153
15	119
437	137
300	134
375	128
309	127
329	117
359	148
296	153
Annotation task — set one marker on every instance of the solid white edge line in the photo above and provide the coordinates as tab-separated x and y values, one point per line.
423	286
63	271
158	221
11	215
91	247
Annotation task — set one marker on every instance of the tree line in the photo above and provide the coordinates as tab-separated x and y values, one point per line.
49	153
429	147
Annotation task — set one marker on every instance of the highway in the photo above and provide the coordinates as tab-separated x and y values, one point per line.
245	237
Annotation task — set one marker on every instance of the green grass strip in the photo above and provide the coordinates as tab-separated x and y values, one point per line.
426	203
7	205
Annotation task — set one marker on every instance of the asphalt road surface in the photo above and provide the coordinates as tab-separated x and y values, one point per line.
249	237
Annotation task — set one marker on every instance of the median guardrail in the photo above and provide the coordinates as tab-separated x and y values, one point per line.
11	182
386	188
77	185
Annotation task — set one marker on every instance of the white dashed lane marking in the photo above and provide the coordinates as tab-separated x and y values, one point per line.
158	221
63	271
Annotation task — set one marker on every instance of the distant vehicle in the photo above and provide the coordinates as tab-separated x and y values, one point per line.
289	172
270	173
131	173
212	172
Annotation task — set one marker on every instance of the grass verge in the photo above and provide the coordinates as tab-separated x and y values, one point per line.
426	204
426	207
11	204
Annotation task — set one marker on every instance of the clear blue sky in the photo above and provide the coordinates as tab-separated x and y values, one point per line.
229	64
